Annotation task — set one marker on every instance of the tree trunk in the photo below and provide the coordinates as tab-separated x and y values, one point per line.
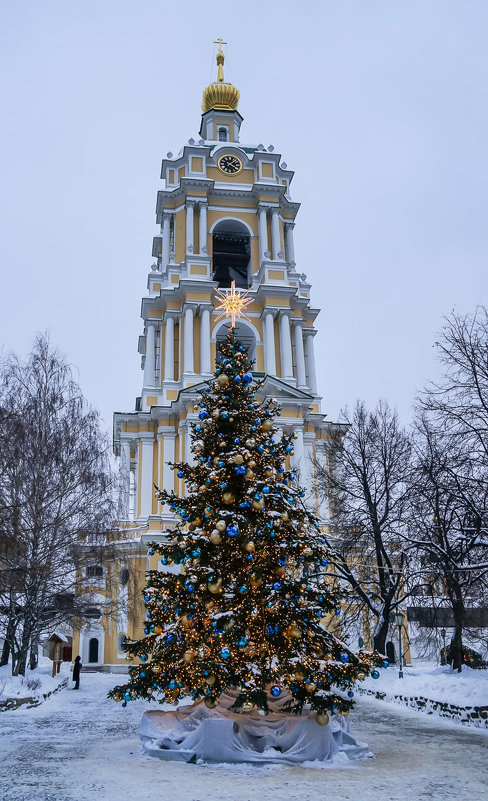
380	634
34	653
21	663
457	640
5	652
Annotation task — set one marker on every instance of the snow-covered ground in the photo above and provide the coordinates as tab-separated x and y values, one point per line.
80	746
34	684
469	688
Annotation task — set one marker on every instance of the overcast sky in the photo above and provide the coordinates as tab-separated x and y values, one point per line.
379	107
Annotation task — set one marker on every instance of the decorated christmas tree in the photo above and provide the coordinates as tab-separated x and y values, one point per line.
247	612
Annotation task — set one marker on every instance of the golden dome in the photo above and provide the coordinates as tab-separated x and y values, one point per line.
219	94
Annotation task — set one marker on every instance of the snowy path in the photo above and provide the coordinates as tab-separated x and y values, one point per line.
79	746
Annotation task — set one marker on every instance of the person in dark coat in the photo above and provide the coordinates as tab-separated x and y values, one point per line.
76	672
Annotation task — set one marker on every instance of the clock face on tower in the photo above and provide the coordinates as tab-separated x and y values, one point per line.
230	164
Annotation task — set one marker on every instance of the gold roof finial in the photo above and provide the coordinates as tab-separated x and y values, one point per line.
220	95
220	59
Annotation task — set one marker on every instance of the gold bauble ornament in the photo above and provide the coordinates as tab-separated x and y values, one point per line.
221	525
322	718
222	380
311	687
294	631
189	657
256	581
298	675
215	537
238	458
209	604
361	676
229	497
285	516
198	445
210	703
216	414
249	546
247	706
216	460
266	425
345	713
250	443
202	488
250	474
258	504
268	472
252	464
158	630
196	407
215	586
222	444
280	571
307	551
210	680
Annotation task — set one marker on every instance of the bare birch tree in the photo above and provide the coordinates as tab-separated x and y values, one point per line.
55	482
366	481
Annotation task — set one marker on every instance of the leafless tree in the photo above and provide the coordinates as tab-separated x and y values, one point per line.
449	501
55	482
365	479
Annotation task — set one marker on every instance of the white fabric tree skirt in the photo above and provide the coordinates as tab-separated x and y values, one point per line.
219	735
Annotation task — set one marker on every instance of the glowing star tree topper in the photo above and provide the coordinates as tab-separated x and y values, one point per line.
232	303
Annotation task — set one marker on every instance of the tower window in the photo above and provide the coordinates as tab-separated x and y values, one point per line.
231	252
94	571
222	134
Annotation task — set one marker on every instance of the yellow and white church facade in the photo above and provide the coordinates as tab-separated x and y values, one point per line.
225	214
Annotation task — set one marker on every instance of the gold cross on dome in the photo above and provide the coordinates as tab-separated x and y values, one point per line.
220	42
232	303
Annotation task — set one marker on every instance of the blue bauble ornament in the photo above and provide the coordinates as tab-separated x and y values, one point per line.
232	530
126	697
196	553
151	552
224	416
324	562
242	642
221	463
275	691
375	674
240	470
288	449
260	448
169	639
266	490
124	703
143	657
203	414
277	586
350	694
243	589
236	441
247	378
223	484
386	663
294	687
180	474
172	685
225	653
237	379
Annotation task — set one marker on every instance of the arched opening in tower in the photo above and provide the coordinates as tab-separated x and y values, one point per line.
231	249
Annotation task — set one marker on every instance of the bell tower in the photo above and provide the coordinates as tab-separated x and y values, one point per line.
225	213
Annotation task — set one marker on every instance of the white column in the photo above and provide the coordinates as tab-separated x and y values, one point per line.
299	356
290	245
146	477
202	228
189	455
297	458
307	471
263	233
124	488
205	340
188	341
168	456
269	344
275	233
190	205
285	346
150	361
169	348
166	241
310	360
